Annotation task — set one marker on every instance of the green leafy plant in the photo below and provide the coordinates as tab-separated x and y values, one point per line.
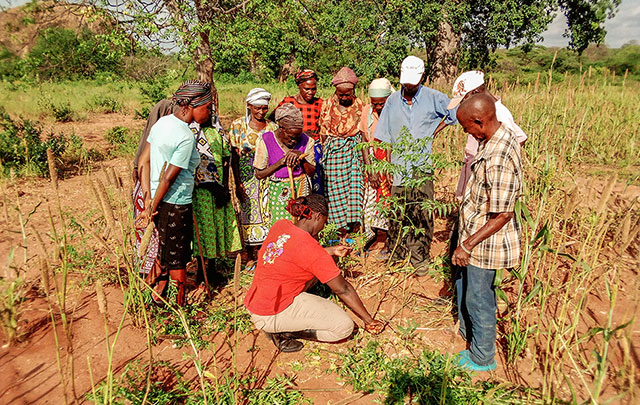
123	141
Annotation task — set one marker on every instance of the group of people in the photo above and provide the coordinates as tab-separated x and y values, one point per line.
300	167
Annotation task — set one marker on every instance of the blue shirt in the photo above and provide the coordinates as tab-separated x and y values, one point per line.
172	141
428	109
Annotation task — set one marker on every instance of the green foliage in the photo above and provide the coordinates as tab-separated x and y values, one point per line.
11	298
105	104
167	386
203	322
22	147
61	54
10	67
429	378
123	141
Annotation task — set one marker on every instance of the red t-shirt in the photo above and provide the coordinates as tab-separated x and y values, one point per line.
310	115
289	257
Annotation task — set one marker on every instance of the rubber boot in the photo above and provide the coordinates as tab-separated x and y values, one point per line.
283	343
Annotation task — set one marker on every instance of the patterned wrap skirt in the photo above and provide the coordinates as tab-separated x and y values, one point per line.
344	179
280	194
144	263
255	216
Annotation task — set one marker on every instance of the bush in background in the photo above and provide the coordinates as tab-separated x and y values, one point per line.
105	104
123	142
23	150
61	54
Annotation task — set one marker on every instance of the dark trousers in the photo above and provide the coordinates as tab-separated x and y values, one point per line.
417	240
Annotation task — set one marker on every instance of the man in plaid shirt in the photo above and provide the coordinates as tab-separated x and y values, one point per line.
489	236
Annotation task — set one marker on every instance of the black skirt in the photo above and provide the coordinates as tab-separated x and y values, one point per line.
175	231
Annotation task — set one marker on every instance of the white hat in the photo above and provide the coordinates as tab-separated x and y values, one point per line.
466	82
411	70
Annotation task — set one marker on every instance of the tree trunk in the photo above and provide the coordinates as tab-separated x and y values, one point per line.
204	66
445	56
202	58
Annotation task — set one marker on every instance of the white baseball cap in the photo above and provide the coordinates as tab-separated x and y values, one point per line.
411	70
466	82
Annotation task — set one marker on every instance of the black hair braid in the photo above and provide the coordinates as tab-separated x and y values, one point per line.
303	206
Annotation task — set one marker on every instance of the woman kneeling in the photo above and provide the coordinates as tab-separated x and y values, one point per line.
290	261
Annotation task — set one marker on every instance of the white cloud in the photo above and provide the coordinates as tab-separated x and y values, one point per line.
621	29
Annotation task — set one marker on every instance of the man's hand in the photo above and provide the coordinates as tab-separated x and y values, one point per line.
374	327
460	257
338	250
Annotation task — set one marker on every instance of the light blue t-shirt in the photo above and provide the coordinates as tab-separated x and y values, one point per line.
172	141
428	109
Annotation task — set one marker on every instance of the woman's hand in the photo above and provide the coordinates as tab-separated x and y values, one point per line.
143	220
375	180
374	327
292	158
339	250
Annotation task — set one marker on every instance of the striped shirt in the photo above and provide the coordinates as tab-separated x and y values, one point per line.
494	186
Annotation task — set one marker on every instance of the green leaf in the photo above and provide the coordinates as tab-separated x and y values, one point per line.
533	293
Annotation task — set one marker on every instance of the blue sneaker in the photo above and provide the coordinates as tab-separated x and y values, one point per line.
464	361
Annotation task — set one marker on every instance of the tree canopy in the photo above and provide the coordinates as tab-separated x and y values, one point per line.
271	38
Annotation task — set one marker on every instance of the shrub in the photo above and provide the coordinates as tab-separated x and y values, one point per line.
105	104
21	146
62	112
124	143
61	54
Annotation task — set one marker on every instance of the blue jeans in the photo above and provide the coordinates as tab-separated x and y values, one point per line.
476	298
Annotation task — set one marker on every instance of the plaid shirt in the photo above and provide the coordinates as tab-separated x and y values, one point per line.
494	186
310	115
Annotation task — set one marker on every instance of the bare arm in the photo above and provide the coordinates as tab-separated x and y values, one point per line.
170	176
345	291
144	169
493	225
439	128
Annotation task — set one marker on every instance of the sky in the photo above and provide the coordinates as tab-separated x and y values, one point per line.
624	27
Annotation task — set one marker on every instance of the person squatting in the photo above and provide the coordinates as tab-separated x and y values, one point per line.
269	183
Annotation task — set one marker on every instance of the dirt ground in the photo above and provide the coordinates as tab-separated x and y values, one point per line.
29	366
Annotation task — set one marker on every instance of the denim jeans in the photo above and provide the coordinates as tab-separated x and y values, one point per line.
476	298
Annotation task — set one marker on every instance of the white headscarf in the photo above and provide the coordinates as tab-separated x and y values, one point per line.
380	88
257	96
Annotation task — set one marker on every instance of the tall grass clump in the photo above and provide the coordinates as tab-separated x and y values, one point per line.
583	152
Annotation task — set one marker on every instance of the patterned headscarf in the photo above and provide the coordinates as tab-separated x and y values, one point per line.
345	76
194	93
258	96
288	116
302	76
380	88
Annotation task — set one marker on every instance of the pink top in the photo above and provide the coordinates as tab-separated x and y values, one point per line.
505	117
368	122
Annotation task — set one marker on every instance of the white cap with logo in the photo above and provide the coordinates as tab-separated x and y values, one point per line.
411	70
466	82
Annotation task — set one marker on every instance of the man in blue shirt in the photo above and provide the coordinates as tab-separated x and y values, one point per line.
409	121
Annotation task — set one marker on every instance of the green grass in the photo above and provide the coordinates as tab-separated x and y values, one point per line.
34	101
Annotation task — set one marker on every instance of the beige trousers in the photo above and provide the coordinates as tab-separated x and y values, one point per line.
308	311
